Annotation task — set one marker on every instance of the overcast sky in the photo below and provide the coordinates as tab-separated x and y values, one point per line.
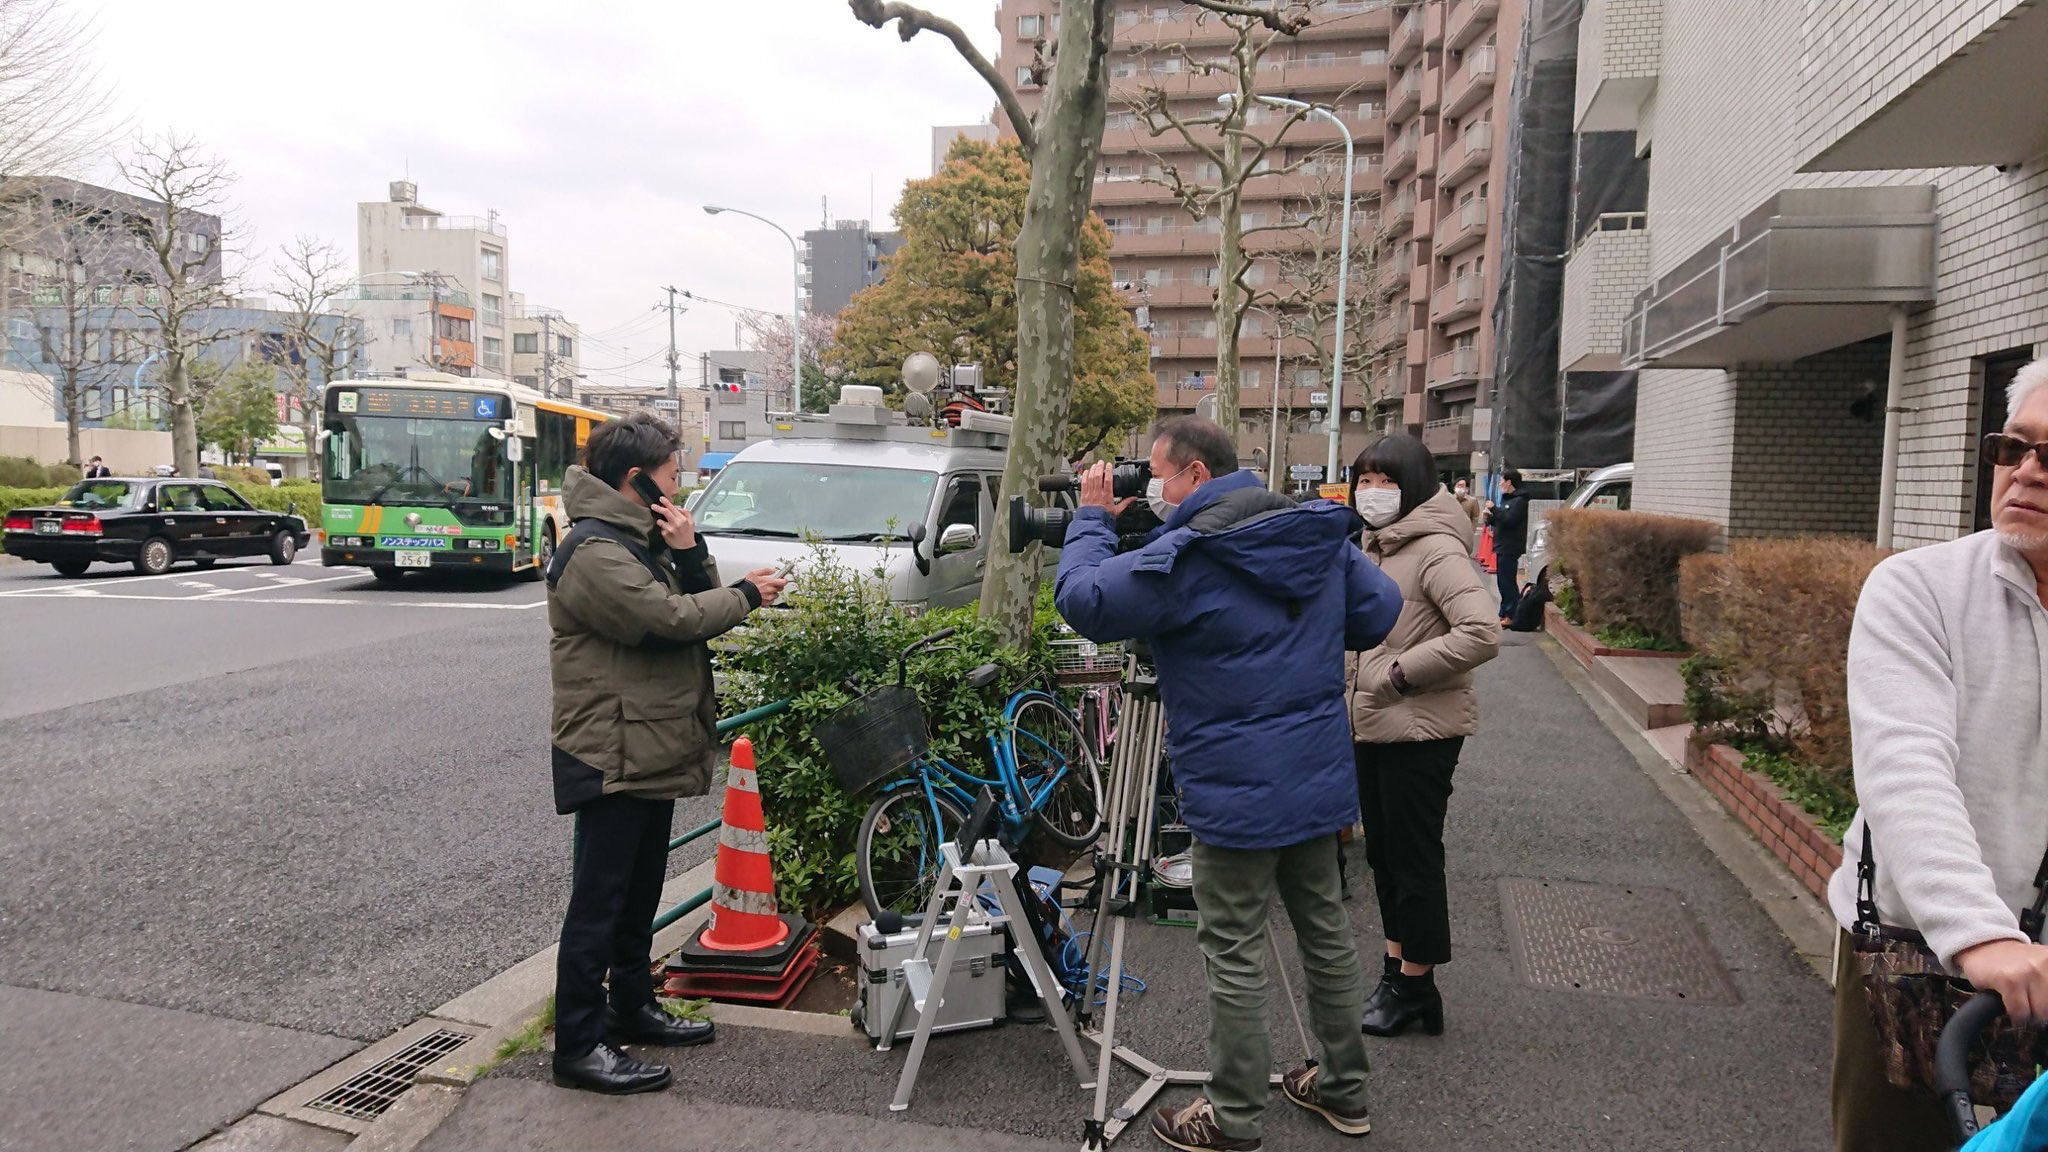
597	129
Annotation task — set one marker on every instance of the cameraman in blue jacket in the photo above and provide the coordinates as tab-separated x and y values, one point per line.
1249	602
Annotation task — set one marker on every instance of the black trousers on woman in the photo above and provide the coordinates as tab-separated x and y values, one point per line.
1403	792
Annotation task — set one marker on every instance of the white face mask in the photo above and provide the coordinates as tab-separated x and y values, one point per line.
1379	506
1155	495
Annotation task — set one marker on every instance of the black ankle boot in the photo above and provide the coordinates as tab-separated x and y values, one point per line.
1410	1000
1390	968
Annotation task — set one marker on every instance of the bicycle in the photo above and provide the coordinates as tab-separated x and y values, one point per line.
1045	777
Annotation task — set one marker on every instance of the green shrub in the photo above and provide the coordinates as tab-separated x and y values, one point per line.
1624	569
62	475
241	476
22	472
12	498
840	625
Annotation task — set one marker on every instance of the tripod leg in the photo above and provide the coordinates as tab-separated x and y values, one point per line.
1279	964
1093	1136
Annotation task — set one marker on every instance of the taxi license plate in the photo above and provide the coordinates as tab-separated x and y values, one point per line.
47	527
412	559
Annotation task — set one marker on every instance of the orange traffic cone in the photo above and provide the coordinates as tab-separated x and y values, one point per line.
1486	557
743	915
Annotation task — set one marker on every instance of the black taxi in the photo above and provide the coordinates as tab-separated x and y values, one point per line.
151	522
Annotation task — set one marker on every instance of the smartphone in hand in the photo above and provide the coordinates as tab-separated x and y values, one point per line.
783	570
648	489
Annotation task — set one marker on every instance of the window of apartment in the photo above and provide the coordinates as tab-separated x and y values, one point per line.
1373	56
1210	276
1465	340
525	343
1030	27
1158	276
1248	377
1024	77
732	429
1165	66
494	309
1158	224
494	264
526	381
1120	121
1307	377
1123	69
493	352
1256	274
402	326
1319	59
1208	170
565	346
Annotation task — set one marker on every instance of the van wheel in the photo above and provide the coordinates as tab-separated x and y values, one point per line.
156	556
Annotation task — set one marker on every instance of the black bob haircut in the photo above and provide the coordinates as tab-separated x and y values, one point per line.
616	447
1405	461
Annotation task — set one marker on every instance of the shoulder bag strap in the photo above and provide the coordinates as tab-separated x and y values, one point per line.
589	526
2032	918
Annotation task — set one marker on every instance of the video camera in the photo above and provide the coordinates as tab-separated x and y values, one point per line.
1048	526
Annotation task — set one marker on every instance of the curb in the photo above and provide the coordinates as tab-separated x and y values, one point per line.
1806	923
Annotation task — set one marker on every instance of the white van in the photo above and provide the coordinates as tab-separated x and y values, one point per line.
1608	487
918	502
275	470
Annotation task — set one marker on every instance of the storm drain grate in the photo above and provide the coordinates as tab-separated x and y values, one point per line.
369	1093
1637	942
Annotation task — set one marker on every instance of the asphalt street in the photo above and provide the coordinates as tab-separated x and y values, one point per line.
1544	792
256	817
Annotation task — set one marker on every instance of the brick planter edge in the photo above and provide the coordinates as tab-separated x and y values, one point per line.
1780	825
1585	649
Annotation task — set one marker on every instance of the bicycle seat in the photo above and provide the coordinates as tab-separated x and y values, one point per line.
984	676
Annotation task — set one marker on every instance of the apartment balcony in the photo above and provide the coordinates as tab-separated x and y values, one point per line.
1910	98
1452	437
1810	270
1392	278
1457	366
1611	265
1472	84
1166	242
1392	331
1401	156
1467	155
1456	300
1621	53
1406	44
1433	26
1173	294
1468	21
1404	96
1463	228
1432	90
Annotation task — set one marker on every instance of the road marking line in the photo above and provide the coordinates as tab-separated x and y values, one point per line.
226	592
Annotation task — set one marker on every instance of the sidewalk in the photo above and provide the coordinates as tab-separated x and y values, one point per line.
1545	793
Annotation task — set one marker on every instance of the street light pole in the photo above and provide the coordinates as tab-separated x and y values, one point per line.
1343	267
1273	421
796	311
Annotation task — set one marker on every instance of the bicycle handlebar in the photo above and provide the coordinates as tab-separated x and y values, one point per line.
1952	1060
903	661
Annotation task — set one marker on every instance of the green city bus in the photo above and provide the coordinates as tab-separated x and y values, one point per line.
441	472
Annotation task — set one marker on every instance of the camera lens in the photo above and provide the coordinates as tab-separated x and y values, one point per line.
1046	526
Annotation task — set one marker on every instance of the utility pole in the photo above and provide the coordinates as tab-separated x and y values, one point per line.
674	365
547	354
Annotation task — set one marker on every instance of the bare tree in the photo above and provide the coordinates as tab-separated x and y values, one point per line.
1064	143
320	341
72	306
770	331
1221	135
51	102
187	282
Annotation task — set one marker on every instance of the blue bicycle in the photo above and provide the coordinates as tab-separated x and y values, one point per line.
1046	777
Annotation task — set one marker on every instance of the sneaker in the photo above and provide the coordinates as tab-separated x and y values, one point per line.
1299	1086
1193	1129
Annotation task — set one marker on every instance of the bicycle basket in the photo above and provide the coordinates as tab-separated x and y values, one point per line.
874	736
1079	661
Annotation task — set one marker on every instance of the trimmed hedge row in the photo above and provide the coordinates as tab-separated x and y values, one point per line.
1623	568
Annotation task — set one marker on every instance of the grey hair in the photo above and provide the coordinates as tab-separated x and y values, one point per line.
2024	386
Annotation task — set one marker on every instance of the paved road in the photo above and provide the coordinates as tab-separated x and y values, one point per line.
256	803
1544	792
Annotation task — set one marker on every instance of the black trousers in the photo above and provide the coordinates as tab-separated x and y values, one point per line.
1504	579
1403	792
621	861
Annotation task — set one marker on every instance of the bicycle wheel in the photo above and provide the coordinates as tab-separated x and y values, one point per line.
1044	742
896	855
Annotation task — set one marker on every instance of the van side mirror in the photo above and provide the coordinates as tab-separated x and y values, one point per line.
958	538
917	537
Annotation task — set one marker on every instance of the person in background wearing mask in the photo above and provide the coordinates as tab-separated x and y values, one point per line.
1412	705
1510	523
1249	601
1473	509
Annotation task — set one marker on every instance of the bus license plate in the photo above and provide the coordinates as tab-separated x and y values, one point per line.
412	559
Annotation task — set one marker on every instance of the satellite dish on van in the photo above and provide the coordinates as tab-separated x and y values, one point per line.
921	372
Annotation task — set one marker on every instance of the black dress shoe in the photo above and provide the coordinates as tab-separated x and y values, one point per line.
1390	967
648	1024
606	1069
1410	1000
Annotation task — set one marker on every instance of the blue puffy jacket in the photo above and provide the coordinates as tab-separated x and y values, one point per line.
1249	602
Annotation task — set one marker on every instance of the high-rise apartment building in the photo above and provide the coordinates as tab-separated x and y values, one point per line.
842	260
1167	260
1448	88
1822	184
436	288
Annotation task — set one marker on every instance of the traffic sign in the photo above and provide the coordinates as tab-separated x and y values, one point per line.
1306	472
661	403
1319	397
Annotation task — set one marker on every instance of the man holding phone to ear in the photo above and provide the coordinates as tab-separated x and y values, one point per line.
634	596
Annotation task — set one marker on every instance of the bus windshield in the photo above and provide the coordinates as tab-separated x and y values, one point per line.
404	460
835	501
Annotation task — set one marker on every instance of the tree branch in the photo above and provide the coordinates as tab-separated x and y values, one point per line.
911	20
1288	25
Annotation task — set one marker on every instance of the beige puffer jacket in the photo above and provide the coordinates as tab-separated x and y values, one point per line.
1447	628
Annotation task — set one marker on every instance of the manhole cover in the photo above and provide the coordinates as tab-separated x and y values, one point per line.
1638	942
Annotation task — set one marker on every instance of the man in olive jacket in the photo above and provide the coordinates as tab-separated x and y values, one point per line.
634	596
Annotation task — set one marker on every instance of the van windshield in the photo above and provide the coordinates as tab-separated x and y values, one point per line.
834	501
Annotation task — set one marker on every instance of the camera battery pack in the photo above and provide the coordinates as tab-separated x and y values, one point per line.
976	994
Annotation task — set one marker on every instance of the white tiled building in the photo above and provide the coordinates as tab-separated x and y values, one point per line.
1821	175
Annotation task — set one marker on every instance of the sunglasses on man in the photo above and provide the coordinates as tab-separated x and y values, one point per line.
2007	451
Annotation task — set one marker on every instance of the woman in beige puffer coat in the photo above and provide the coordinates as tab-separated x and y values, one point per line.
1412	705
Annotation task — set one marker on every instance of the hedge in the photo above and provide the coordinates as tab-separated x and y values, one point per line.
22	472
1623	571
12	498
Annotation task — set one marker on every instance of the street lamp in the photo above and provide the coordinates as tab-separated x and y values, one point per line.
796	311
1273	422
1343	263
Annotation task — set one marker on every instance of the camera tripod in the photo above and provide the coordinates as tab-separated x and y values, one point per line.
1123	875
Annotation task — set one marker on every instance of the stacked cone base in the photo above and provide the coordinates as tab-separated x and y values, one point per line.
771	976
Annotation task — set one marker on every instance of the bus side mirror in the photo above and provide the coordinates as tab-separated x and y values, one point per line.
515	449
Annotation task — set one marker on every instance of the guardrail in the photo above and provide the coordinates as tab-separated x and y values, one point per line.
729	724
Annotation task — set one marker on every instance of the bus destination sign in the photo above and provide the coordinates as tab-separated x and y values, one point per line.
430	405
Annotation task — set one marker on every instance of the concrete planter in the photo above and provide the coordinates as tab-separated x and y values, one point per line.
1780	825
1585	648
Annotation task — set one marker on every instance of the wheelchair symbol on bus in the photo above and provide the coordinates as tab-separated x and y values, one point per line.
487	408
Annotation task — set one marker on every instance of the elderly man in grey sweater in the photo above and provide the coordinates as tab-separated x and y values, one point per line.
1946	676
